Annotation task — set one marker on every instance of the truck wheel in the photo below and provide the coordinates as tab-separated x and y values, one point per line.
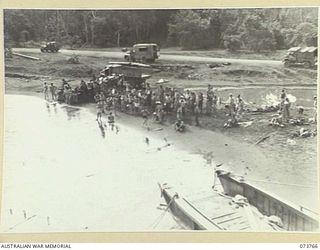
126	58
287	64
306	65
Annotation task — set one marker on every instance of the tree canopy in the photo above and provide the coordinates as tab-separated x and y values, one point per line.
251	29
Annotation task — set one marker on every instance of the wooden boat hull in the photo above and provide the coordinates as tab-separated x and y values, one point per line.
292	218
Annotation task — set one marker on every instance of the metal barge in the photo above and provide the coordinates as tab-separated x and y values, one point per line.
240	207
293	218
215	212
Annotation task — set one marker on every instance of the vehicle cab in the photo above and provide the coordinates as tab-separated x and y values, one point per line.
144	52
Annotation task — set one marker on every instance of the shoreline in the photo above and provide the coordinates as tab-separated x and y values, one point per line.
241	158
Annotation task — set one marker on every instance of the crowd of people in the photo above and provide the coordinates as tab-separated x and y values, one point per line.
284	116
112	94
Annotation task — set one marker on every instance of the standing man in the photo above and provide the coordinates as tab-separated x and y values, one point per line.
145	114
200	101
209	105
283	96
286	110
239	105
111	120
100	109
45	91
179	112
231	105
197	112
52	89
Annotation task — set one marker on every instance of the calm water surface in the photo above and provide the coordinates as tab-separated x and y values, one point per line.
64	173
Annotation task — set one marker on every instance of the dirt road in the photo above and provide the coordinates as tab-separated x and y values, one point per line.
163	57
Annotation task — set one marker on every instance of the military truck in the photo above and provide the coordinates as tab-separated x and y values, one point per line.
50	47
142	52
298	56
133	73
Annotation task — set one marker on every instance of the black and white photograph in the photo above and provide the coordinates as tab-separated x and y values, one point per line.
160	120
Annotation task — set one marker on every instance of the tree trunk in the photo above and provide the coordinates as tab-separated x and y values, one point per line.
86	30
137	34
118	39
92	32
57	26
92	27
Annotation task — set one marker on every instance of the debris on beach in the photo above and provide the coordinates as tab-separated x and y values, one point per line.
26	56
245	124
304	133
291	142
157	129
276	121
160	81
262	139
298	121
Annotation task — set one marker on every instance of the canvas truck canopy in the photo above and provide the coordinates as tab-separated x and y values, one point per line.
308	49
294	49
145	44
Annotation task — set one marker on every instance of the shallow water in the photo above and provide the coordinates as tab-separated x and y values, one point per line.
257	96
64	173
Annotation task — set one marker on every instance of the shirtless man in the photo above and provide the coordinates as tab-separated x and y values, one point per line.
111	120
52	89
100	108
46	91
145	114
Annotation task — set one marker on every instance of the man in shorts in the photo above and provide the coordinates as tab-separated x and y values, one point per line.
111	120
52	89
46	91
144	114
99	111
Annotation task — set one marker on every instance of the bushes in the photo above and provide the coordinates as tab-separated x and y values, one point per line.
232	43
190	30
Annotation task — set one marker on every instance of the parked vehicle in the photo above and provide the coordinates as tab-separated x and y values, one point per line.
306	57
50	47
134	73
144	52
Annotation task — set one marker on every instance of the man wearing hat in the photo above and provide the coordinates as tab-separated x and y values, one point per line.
231	104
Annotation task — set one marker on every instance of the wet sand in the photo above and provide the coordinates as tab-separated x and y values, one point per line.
296	185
